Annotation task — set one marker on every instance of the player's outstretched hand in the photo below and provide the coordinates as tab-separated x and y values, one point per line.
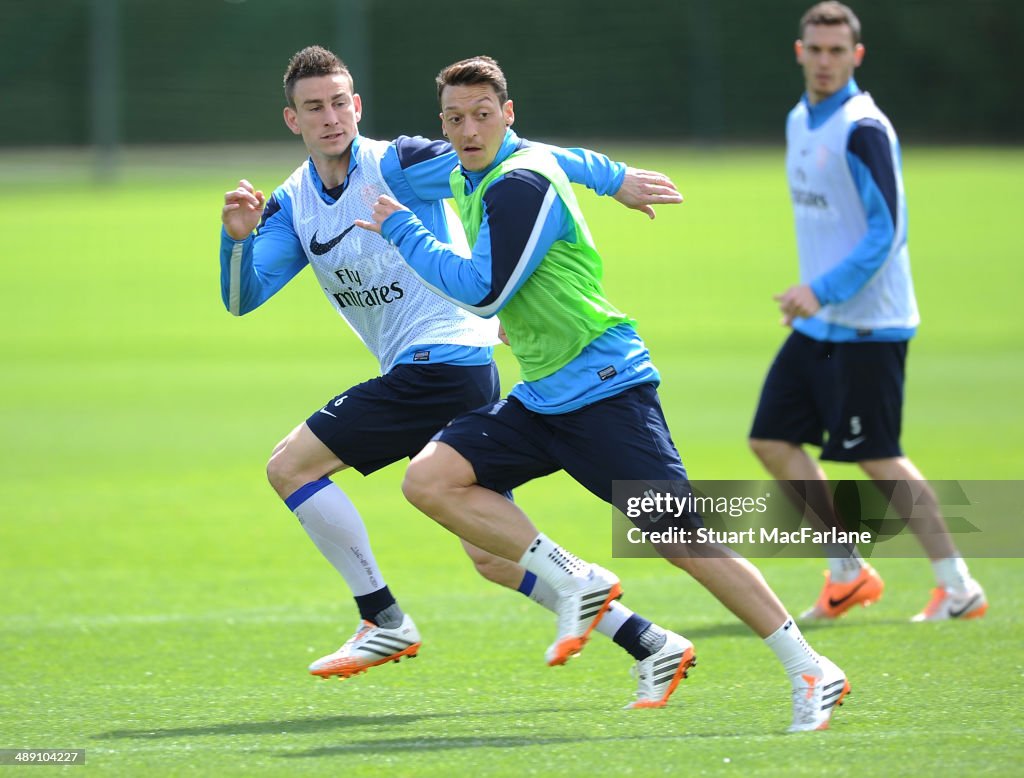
643	189
243	207
382	209
797	302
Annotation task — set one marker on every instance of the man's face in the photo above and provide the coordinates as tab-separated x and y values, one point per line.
326	114
828	56
475	123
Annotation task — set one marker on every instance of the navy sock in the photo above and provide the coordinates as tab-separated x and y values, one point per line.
629	634
373	604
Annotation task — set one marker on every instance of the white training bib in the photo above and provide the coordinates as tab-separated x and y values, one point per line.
365	277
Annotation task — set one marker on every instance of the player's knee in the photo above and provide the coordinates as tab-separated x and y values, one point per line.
758	446
274	472
282	473
434	477
768	450
889	469
422	486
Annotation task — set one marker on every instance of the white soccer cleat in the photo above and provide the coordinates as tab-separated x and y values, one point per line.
947	604
369	647
815	698
659	674
579	612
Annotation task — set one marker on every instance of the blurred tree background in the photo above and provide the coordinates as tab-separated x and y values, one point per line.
110	72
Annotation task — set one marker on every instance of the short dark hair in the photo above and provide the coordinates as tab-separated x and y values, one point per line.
475	70
312	61
831	14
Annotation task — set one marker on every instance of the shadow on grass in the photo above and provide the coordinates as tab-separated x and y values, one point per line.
428	744
738	629
494	741
301	726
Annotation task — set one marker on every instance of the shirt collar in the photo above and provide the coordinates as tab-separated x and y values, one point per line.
509	145
352	165
818	114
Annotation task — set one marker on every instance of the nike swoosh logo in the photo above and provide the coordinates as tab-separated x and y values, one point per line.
836	603
963	610
322	248
853	441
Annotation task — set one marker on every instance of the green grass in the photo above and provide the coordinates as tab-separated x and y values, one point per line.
160	605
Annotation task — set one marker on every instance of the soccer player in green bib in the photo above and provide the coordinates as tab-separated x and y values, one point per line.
587	402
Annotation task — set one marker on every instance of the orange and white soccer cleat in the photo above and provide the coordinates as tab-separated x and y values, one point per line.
816	697
659	674
837	598
947	604
369	647
579	611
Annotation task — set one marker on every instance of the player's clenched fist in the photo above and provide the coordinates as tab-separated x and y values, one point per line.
243	207
382	209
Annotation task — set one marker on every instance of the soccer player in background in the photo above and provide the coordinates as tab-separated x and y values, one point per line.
435	358
837	381
587	404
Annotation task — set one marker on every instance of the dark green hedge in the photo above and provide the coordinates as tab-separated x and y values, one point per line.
704	70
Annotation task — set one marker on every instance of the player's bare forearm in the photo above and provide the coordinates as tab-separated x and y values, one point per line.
243	207
641	190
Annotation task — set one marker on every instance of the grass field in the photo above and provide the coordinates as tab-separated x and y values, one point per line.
160	605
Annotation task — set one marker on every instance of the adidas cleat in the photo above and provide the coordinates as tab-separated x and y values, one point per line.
946	604
369	647
659	674
579	611
816	698
837	598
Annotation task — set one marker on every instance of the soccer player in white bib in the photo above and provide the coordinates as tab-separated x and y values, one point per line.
837	381
435	358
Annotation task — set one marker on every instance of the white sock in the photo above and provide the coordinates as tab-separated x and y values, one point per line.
613	618
334	525
551	563
616	615
543	595
952	573
845	566
792	650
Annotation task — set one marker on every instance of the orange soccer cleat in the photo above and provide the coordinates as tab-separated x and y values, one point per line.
837	598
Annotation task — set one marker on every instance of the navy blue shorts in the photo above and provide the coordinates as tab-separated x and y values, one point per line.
621	438
846	398
392	417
